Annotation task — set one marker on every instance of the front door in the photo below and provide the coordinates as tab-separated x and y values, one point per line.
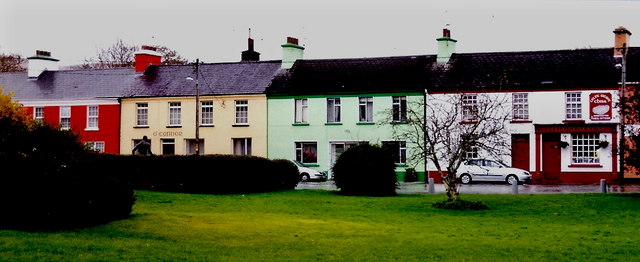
520	151
550	157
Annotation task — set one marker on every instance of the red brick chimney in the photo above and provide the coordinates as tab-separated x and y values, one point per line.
147	56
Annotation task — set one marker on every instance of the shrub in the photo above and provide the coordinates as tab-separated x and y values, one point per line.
460	205
365	170
410	175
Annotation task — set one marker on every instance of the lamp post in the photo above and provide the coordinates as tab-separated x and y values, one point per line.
197	145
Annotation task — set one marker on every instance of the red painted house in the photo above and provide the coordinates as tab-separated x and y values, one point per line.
84	101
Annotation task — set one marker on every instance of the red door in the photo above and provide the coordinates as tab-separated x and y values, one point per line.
520	151
550	157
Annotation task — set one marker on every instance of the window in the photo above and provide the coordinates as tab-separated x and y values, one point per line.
242	112
242	146
520	105
38	113
168	146
584	148
206	108
142	114
399	108
398	150
135	142
175	112
573	106
469	107
65	117
307	152
333	110
366	109
96	146
191	146
337	148
92	117
300	111
472	153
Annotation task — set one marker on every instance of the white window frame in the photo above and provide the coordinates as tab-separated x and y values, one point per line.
97	146
38	113
584	149
92	117
142	114
469	107
206	113
401	153
333	110
175	114
301	109
65	117
399	108
244	146
520	106
573	105
168	142
242	112
365	112
472	153
300	151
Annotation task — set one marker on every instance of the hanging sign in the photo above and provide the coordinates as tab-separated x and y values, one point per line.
600	106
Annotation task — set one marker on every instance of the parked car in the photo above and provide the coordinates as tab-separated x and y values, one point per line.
488	170
308	174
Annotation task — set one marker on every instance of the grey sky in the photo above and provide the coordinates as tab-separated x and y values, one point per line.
216	31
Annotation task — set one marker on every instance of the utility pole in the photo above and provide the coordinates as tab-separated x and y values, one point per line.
197	108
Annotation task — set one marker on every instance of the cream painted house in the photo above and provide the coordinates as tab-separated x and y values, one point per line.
232	110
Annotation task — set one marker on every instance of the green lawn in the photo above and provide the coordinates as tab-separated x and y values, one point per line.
322	226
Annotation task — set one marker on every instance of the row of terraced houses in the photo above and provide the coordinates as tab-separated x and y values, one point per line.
564	127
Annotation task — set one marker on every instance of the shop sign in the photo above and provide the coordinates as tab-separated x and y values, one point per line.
600	108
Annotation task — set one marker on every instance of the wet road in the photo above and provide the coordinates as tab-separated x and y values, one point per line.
416	188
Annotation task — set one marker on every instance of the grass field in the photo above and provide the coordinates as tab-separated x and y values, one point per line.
322	226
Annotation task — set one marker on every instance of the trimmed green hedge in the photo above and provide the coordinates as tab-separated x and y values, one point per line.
211	174
367	170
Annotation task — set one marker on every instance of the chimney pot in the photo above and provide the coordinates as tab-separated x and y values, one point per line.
292	40
446	32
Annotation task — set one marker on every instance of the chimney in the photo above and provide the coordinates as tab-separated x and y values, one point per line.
446	46
250	54
41	62
291	52
147	56
621	44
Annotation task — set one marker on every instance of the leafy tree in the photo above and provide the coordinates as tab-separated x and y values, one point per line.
453	130
632	116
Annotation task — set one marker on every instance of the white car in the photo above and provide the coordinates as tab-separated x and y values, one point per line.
488	170
307	174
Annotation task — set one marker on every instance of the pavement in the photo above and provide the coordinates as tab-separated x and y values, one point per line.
489	188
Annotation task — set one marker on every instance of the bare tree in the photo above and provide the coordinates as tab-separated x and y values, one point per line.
11	63
456	126
121	54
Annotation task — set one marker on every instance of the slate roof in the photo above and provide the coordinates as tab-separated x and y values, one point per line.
534	70
68	85
360	75
214	79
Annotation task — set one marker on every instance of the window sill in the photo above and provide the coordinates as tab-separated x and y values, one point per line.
92	129
333	124
207	125
141	127
521	121
365	123
174	126
300	124
240	125
575	121
586	165
468	122
399	122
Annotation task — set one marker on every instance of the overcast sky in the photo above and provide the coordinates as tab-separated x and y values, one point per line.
217	31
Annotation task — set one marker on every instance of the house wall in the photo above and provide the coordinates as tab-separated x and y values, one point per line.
108	120
283	132
216	139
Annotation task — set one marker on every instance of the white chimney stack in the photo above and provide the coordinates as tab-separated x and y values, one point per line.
41	62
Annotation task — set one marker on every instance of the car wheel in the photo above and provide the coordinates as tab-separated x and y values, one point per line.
305	177
511	179
465	179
